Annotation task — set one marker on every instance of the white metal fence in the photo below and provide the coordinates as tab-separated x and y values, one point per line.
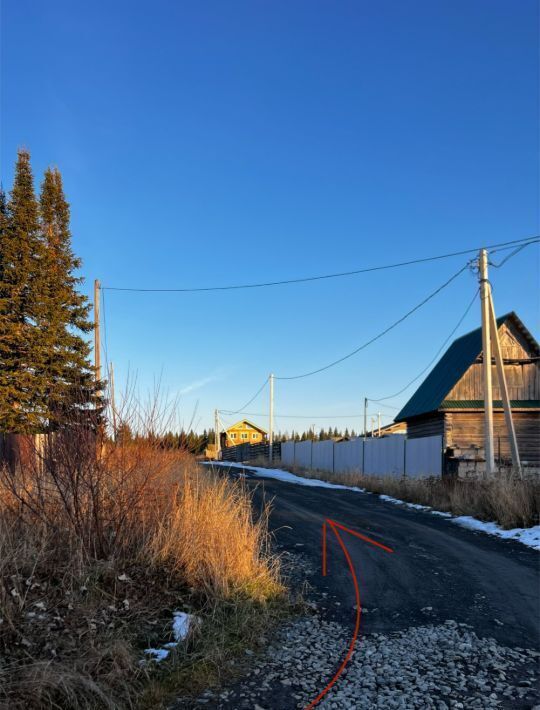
388	456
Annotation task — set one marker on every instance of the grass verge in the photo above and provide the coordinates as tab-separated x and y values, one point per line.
96	553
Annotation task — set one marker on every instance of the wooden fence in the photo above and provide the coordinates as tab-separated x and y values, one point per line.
249	452
21	449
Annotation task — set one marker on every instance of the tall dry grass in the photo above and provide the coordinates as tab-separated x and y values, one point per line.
209	535
99	543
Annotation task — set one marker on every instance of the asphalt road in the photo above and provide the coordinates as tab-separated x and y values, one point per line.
439	574
438	570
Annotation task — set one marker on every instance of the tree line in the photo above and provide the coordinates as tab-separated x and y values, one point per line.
46	379
321	435
197	443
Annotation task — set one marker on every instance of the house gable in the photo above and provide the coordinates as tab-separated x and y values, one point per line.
246	425
458	374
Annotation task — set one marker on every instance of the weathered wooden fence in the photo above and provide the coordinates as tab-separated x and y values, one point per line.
249	452
21	449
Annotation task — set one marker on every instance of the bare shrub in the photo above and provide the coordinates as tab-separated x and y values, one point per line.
99	542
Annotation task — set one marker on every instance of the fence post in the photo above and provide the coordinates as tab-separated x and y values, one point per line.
405	457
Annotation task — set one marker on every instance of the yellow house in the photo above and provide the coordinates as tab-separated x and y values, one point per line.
243	432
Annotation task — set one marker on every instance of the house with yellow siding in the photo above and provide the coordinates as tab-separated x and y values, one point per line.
243	432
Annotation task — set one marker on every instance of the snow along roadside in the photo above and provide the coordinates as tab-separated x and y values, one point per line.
527	536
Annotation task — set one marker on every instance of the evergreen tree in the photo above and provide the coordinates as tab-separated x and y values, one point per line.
21	409
63	314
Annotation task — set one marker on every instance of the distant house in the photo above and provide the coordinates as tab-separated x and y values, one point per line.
450	401
243	432
387	429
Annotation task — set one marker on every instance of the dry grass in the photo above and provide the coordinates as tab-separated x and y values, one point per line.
209	535
96	553
506	499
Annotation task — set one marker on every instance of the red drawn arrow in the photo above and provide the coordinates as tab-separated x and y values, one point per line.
334	527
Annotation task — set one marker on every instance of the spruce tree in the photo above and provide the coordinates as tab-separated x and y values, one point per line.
63	314
21	409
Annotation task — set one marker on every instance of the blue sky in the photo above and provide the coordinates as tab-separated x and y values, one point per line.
208	143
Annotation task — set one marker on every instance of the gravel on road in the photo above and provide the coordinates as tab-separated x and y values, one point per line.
440	667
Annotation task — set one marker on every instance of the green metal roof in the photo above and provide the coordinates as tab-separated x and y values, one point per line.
431	394
497	404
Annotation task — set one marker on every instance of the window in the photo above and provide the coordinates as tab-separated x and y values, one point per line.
254	436
243	436
233	436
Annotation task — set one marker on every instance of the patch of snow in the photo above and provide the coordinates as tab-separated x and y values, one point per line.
181	625
288	477
416	506
158	654
527	536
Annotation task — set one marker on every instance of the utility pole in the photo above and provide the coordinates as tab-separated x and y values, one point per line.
379	418
97	338
485	297
271	421
503	386
113	404
217	442
365	417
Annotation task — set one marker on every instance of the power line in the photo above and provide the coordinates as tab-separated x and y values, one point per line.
380	335
257	393
388	406
493	247
396	394
307	416
512	254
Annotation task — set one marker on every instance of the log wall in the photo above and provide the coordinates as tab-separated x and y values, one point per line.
429	425
466	429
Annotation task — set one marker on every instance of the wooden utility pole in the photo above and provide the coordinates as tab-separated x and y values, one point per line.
271	420
503	386
97	336
113	403
217	441
485	291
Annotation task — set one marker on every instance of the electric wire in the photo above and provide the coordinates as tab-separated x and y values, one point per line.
396	394
493	247
257	393
379	335
308	416
512	254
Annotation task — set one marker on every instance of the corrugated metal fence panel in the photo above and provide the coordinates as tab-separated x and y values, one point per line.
287	453
423	457
302	454
348	456
385	456
322	455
